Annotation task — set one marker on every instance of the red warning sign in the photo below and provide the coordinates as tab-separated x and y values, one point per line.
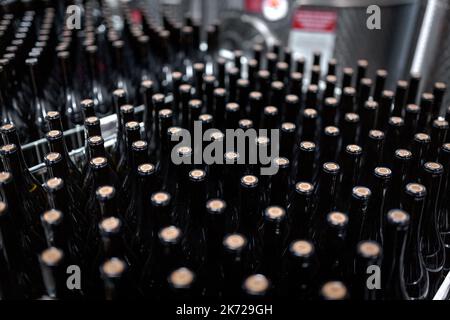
315	20
253	6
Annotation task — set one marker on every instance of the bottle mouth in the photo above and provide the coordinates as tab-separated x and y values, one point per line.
106	192
416	190
5	177
275	213
337	219
8	149
398	216
52	217
52	256
301	248
256	284
53	135
170	234
181	278
7	128
216	206
362	193
113	268
369	249
54	184
110	225
235	242
146	168
249	181
160	198
334	290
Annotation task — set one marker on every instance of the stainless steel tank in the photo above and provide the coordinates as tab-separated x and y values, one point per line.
432	52
244	21
387	47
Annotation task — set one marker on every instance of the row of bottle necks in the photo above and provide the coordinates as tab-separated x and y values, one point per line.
386	144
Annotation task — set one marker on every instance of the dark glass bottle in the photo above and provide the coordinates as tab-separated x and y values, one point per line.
384	108
416	277
432	246
300	210
400	176
329	144
53	268
332	245
412	113
439	130
357	214
351	165
116	283
400	98
380	80
373	152
372	226
256	287
309	124
234	262
350	127
325	196
18	284
279	183
182	284
334	291
70	228
393	264
274	236
305	163
71	109
420	149
426	106
30	196
57	144
300	270
394	138
368	258
38	107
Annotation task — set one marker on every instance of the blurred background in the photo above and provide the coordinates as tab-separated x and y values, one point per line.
414	34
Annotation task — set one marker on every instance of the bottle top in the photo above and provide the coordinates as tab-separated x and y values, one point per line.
249	181
54	184
52	256
331	167
334	290
146	168
362	193
110	225
235	242
170	234
160	199
301	248
304	188
398	216
52	217
417	190
181	278
105	192
337	219
216	206
256	284
113	268
353	149
382	172
369	249
274	213
307	146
